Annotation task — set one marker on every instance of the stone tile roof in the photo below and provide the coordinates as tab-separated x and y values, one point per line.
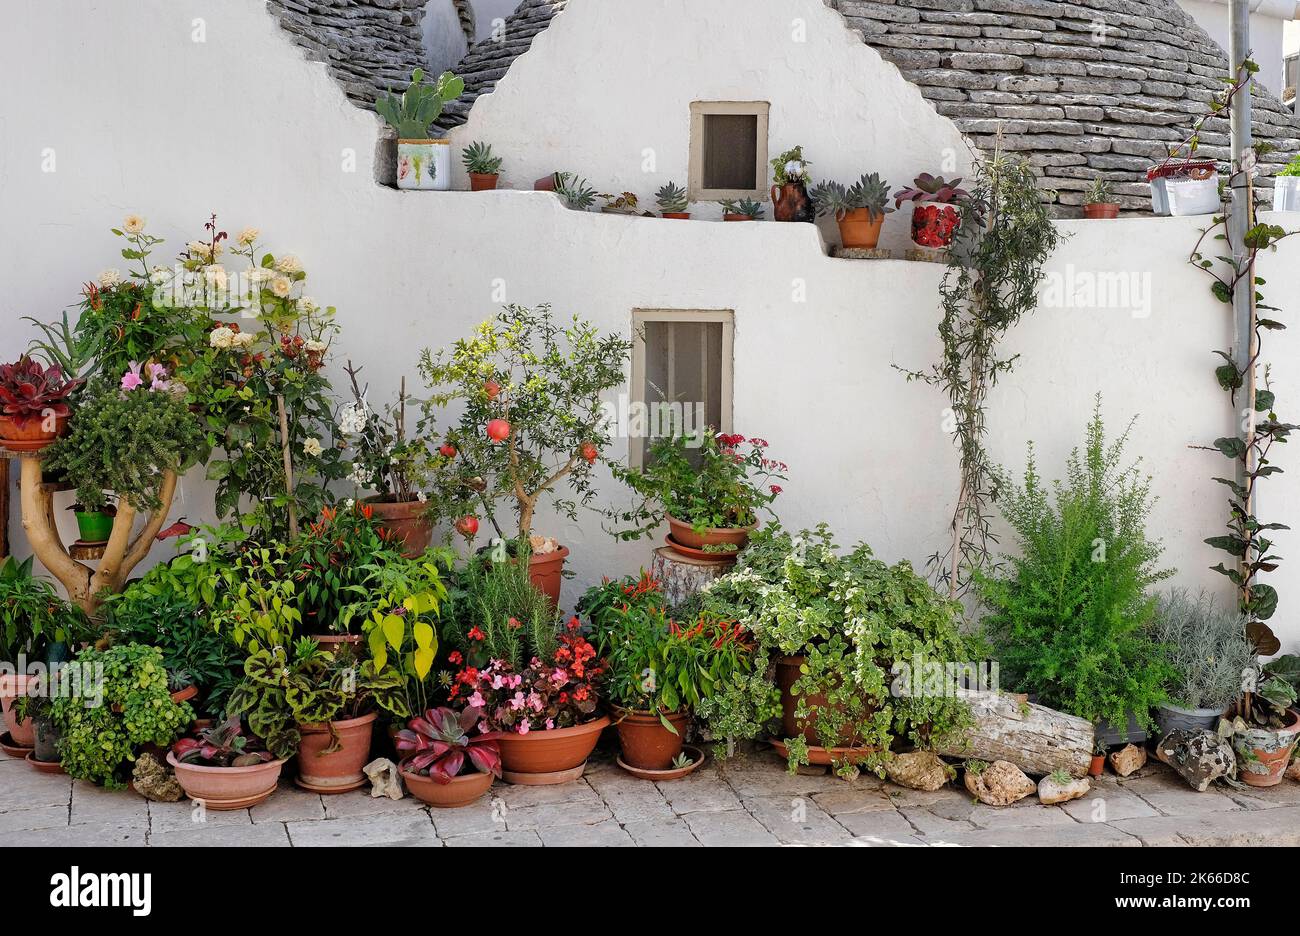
368	45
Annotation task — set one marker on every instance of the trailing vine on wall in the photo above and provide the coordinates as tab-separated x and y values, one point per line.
994	270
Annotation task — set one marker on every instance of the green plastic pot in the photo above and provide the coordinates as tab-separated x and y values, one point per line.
95	526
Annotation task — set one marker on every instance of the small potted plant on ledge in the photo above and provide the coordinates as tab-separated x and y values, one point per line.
707	487
34	410
422	163
746	209
484	169
1100	203
449	761
574	192
223	768
790	201
625	203
531	426
673	202
94	526
1265	728
859	210
1286	187
936	212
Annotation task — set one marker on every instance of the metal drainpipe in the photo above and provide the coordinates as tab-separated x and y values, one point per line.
1239	214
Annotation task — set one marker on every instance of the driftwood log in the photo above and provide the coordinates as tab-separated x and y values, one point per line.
1035	738
683	577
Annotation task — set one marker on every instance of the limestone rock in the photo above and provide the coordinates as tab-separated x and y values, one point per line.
1050	792
920	770
1293	771
1128	759
1000	784
1200	757
384	779
154	781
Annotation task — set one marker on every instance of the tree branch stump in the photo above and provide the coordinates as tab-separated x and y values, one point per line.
683	577
1035	738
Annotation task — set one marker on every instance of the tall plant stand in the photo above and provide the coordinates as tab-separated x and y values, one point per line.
117	557
683	577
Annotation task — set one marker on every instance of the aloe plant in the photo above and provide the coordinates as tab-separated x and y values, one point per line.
870	192
420	105
478	159
574	191
672	199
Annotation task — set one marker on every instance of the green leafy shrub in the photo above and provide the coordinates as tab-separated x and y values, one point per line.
495	613
1069	620
332	562
100	735
1207	647
32	614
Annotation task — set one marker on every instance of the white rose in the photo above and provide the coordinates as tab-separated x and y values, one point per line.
312	447
221	337
109	278
243	340
215	275
247	237
307	304
288	264
314	346
281	286
257	276
133	224
158	276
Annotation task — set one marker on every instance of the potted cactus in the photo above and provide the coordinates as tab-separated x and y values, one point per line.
673	202
574	192
484	169
33	404
937	211
422	163
746	209
1100	203
859	209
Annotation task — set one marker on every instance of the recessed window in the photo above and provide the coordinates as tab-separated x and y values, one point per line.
681	375
728	150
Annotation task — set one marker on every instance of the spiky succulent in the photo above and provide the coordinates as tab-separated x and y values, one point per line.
439	743
29	390
672	199
1099	193
223	745
745	206
478	159
870	192
574	192
420	105
931	188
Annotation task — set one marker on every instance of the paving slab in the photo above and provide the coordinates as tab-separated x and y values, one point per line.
1109	804
630	799
729	828
288	803
878	827
518	796
42	817
408	829
1279	826
360	803
266	835
1171	795
112	835
95	804
662	833
796	820
1027	814
520	838
764	773
483	816
26	789
699	792
187	816
607	834
1074	835
854	800
586	811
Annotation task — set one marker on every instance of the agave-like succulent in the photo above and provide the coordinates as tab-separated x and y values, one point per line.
439	742
29	390
478	158
223	745
575	192
870	192
745	206
672	198
931	188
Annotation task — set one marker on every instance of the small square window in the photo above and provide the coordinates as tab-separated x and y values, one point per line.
728	150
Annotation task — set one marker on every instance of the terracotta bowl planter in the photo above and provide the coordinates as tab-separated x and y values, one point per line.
340	771
1100	212
462	791
858	230
545	571
787	674
29	436
483	181
1263	754
544	757
736	536
677	215
12	687
646	743
224	788
184	695
404	522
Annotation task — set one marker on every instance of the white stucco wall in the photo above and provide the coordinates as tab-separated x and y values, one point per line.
1268	28
242	125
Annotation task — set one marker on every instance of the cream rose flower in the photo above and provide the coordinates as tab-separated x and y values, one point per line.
215	275
281	286
257	276
315	346
312	447
307	304
221	337
288	264
133	224
247	237
110	277
243	340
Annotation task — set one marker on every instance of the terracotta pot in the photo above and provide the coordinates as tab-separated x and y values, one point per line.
1100	212
404	522
736	217
858	230
545	572
339	771
683	533
790	202
461	791
1263	754
1097	765
545	183
549	752
483	181
934	225
184	695
787	674
30	435
677	215
646	743
22	733
201	724
94	526
224	788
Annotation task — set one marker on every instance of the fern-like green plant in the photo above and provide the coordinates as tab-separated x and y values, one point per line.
420	105
495	613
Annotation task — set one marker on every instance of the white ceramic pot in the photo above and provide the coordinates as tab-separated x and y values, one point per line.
1286	193
424	165
1193	196
1159	198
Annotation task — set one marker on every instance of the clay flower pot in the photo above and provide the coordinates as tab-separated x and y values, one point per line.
677	215
1097	765
483	181
223	788
790	202
684	535
340	770
406	522
184	695
787	674
545	571
933	225
94	526
858	229
461	791
1100	212
12	687
1263	753
29	436
544	757
737	217
646	743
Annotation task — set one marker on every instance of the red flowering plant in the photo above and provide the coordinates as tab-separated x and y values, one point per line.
334	561
708	480
443	742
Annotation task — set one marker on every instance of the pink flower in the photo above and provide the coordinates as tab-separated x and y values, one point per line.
498	681
534	702
484	728
476	700
132	379
776	489
524	726
158	377
559	676
550	723
517	702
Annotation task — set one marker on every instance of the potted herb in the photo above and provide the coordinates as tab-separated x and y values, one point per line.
790	201
1286	187
1266	727
1100	203
422	163
746	209
449	761
707	487
531	425
859	210
573	191
35	404
223	768
1208	651
319	705
936	212
673	202
484	169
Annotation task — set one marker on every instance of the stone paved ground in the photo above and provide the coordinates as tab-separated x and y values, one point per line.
750	801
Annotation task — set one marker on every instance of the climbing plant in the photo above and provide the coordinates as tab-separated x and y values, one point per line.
994	269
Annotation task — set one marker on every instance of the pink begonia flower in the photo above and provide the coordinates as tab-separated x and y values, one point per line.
516	681
497	681
534	702
550	723
517	702
484	728
158	377
132	379
476	700
559	676
524	726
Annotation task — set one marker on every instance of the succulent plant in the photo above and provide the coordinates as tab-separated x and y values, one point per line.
930	188
223	745
478	159
29	390
439	742
745	206
420	105
1099	193
626	203
672	199
574	192
870	192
